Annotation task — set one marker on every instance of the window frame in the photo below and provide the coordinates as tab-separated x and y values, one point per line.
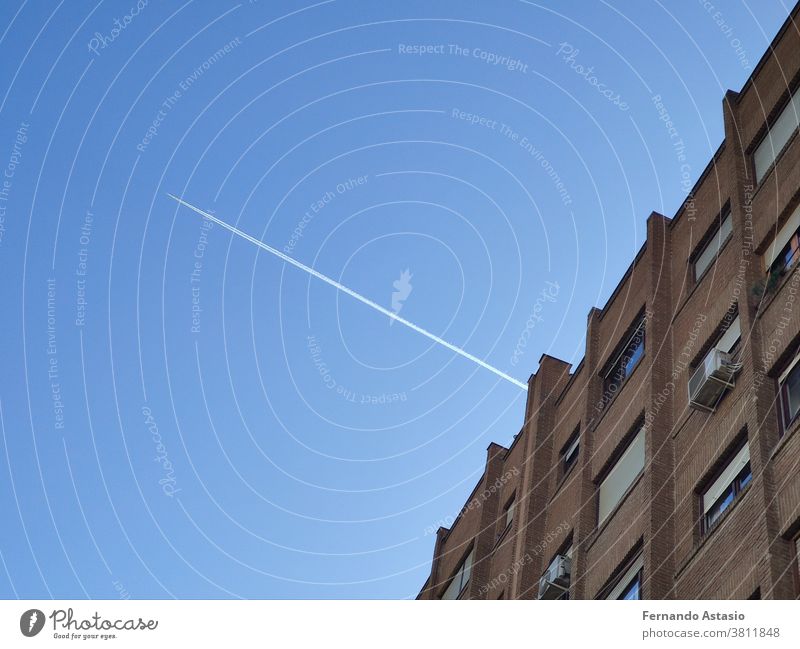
776	263
736	488
796	543
573	447
792	97
785	422
723	217
510	509
731	491
634	340
734	324
636	582
626	447
459	573
631	573
782	264
566	550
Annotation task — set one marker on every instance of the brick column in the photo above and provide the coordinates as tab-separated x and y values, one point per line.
659	530
775	573
433	581
538	475
489	499
522	513
587	516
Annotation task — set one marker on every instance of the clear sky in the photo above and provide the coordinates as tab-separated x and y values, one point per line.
185	415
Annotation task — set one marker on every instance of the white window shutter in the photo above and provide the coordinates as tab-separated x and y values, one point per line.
777	137
726	477
621	476
731	335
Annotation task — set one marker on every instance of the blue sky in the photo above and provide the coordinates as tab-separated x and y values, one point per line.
184	415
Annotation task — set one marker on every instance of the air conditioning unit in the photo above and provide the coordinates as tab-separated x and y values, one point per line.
711	379
555	581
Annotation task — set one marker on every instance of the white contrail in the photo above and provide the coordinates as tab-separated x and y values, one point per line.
350	292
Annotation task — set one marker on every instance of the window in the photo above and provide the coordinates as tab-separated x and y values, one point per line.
554	583
621	476
709	252
626	360
460	579
510	511
715	374
634	588
568	554
569	455
783	253
789	394
797	553
728	485
777	137
729	339
629	585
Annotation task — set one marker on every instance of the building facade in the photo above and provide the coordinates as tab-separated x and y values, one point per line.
667	463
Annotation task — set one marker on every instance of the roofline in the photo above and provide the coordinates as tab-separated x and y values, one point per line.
472	493
790	20
770	51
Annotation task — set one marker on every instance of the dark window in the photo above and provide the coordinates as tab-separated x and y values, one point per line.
789	395
509	511
784	251
569	456
626	361
787	256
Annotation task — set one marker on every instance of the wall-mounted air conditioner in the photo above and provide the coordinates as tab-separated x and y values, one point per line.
555	581
711	379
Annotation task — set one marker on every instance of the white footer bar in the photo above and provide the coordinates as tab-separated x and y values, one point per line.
379	624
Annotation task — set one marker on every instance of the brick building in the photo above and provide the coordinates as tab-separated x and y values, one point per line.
667	463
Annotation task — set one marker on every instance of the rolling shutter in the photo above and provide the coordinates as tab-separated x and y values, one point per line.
725	479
